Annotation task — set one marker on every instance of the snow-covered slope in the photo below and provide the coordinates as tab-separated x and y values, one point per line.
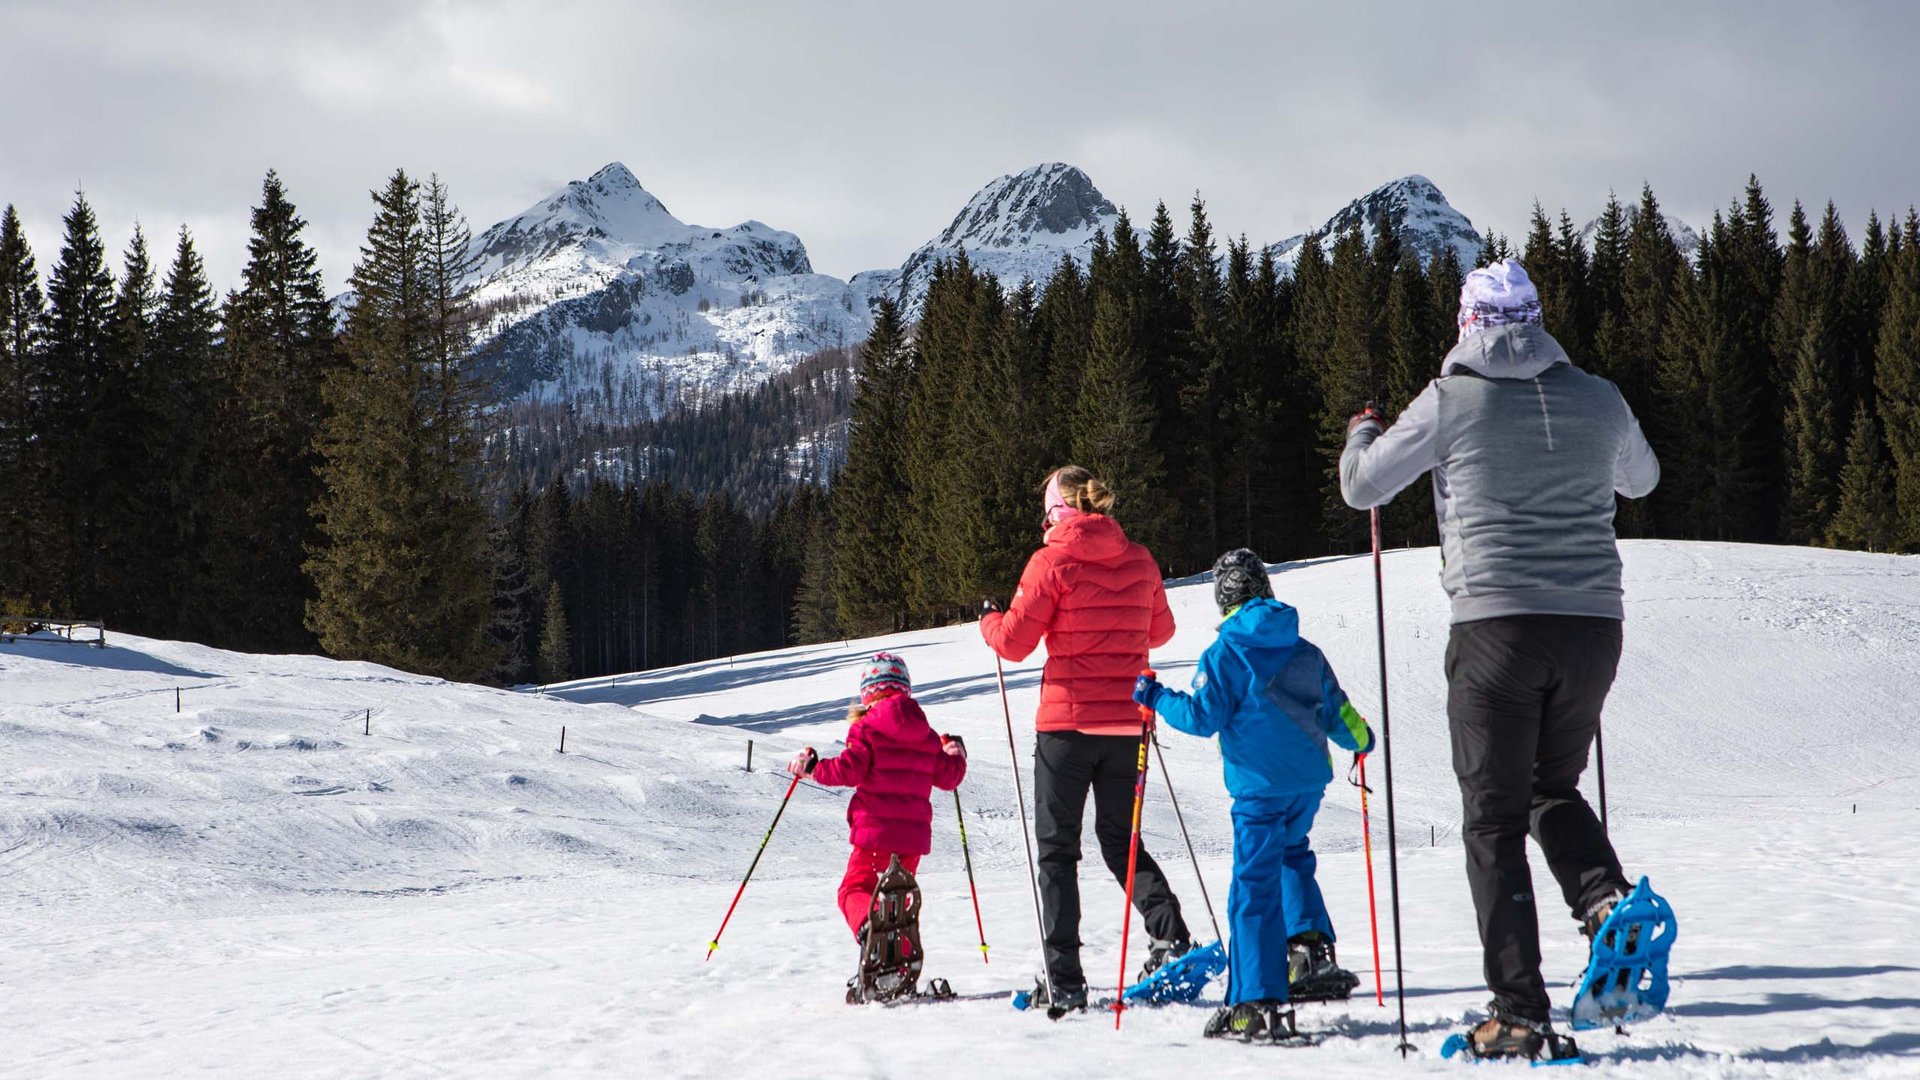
252	886
1422	218
599	296
1017	228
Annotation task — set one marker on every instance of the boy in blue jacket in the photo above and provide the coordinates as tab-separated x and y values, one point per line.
1274	702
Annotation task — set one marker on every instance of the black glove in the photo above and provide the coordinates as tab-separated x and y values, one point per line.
988	605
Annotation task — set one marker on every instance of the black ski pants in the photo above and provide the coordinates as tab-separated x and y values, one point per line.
1066	766
1524	695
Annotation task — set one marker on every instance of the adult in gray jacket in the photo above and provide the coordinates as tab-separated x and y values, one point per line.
1527	452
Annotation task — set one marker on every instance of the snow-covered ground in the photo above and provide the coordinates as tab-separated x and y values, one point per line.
252	887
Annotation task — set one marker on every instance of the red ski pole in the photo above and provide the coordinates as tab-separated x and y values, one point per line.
1373	910
715	943
978	925
1133	855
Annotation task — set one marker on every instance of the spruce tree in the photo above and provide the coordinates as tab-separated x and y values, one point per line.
999	454
1897	380
871	500
1411	363
76	381
1351	373
554	662
930	551
1812	450
402	575
1864	518
1113	425
1628	343
23	502
178	390
264	467
1063	337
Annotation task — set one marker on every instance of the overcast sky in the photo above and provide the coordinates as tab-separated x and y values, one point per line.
864	126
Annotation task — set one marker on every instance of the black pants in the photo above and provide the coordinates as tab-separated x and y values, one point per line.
1066	765
1523	703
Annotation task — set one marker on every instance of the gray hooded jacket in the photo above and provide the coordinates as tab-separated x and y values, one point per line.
1526	452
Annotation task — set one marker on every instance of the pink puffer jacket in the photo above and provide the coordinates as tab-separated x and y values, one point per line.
892	761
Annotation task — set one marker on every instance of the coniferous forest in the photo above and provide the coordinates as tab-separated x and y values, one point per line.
262	472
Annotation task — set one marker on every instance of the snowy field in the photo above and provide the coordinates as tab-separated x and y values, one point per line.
251	886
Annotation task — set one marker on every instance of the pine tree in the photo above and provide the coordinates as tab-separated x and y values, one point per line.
1113	425
1707	380
554	662
871	499
1865	516
1628	344
1350	374
1063	337
23	503
177	390
999	454
1812	451
76	381
816	614
264	468
1897	379
929	549
402	576
1412	360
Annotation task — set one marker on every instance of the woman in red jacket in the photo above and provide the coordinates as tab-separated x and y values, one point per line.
1096	599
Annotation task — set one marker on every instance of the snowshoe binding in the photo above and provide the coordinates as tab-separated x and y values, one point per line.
889	940
1506	1037
1177	976
1626	977
1063	1000
1314	973
1268	1022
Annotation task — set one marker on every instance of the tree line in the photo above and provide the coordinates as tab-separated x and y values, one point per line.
1778	381
262	472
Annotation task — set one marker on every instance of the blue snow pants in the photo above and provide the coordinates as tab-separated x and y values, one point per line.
1273	896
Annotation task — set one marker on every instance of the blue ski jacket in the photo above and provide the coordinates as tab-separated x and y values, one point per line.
1274	702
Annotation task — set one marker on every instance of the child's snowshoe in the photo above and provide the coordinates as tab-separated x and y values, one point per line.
1313	972
1626	976
1256	1021
1505	1037
1180	978
890	942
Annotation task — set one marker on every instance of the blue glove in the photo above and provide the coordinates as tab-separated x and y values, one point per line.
1146	691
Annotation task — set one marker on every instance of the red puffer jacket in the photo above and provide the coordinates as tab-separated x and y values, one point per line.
1097	599
892	761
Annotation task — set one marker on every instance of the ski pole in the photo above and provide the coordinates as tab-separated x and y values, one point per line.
1373	907
1600	760
715	943
1386	747
978	925
1177	816
1133	855
1033	876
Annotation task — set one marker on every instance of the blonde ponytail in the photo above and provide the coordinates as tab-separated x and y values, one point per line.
1084	492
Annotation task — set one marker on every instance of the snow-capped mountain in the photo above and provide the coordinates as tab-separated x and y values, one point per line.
599	295
1421	217
1016	228
1684	235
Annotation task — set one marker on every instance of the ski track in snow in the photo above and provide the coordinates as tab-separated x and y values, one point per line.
252	887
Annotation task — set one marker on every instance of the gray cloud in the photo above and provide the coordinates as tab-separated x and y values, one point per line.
863	126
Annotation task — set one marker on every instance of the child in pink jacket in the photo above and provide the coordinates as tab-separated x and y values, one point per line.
893	760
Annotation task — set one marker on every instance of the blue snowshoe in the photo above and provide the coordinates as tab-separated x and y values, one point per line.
1626	977
1504	1037
1180	978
